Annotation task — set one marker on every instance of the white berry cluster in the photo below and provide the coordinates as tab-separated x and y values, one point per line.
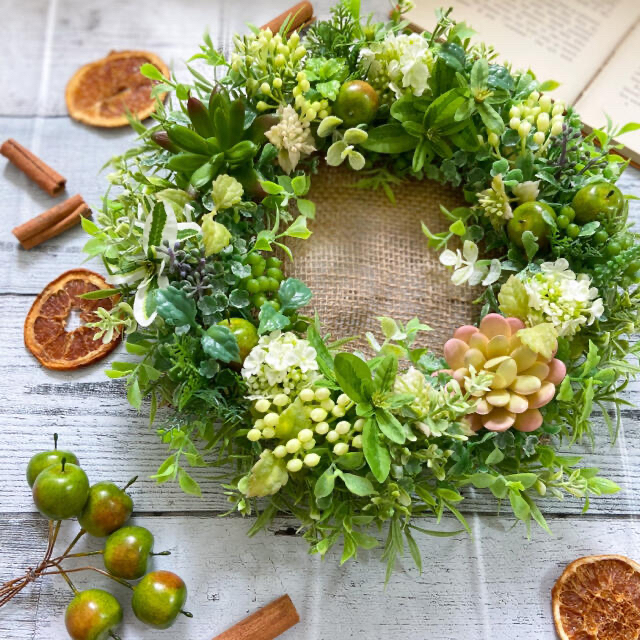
322	422
269	63
538	117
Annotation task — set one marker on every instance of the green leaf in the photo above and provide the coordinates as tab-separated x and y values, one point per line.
150	71
298	229
519	505
307	208
271	320
220	343
628	128
264	240
602	486
134	395
376	454
389	138
99	294
323	355
351	461
548	85
530	243
565	393
491	118
495	457
525	479
385	374
354	377
390	426
479	75
175	307
413	549
158	221
482	480
541	339
293	294
188	484
357	484
325	483
513	298
271	188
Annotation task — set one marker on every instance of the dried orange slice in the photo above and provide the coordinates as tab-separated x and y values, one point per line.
45	334
101	92
598	598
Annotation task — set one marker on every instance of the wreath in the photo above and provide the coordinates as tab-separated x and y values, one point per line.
194	234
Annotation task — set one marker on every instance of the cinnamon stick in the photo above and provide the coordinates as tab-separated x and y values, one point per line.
47	219
42	174
266	623
69	220
302	14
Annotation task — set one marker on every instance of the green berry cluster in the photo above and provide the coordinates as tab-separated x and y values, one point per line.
264	281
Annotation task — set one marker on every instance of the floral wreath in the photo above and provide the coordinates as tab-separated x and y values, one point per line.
345	443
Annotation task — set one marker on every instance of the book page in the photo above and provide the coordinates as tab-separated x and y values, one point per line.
567	41
616	92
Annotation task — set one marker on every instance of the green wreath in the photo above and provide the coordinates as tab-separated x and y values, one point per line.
343	443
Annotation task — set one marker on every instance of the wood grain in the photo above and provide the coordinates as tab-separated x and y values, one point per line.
494	586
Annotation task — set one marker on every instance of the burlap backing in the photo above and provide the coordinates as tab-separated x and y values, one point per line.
368	258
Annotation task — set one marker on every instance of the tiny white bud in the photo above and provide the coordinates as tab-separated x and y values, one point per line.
514	123
524	128
263	405
338	411
280	451
514	112
318	414
556	128
268	433
542	123
493	139
277	83
312	459
534	95
293	445
281	400
333	436
323	113
301	76
322	393
271	419
304	435
322	428
280	61
258	424
309	445
357	442
254	435
343	400
294	465
327	404
307	395
558	109
343	427
265	88
539	137
341	448
545	102
358	425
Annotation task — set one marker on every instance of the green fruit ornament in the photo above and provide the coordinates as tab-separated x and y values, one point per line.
245	332
44	459
61	491
530	217
158	599
106	510
126	552
601	201
93	615
357	103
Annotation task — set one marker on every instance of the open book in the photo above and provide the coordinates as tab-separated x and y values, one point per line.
591	47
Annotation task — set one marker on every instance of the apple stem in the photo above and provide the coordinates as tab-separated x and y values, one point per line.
64	461
161	553
188	614
73	543
55	441
67	579
84	554
126	486
124	583
114	636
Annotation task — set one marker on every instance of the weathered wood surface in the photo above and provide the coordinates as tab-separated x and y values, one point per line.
495	585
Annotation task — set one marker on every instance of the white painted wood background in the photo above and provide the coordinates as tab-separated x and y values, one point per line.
495	585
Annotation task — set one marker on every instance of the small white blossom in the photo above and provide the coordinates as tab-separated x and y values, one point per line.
527	191
400	62
292	137
279	362
467	268
495	203
558	295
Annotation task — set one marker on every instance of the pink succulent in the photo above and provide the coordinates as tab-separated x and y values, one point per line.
522	380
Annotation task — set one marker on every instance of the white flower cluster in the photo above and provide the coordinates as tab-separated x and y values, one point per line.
292	137
279	363
558	295
401	62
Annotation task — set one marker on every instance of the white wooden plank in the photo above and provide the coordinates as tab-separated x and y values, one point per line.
495	586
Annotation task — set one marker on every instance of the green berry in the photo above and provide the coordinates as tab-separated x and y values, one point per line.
568	212
600	237
258	300
274	272
563	221
627	241
274	263
632	268
573	230
253	286
253	258
263	283
613	249
300	326
275	304
258	268
273	284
